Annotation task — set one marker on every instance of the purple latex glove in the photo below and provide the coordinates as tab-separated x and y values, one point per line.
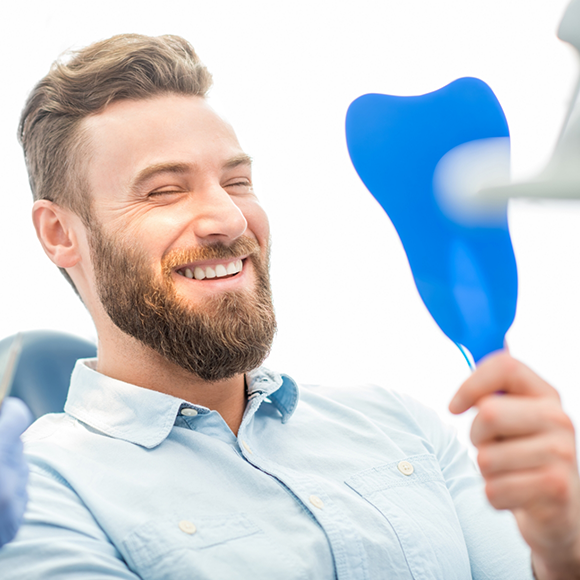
14	419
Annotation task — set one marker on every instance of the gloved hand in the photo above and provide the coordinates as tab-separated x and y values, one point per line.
14	419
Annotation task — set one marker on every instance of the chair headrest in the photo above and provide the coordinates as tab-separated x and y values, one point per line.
42	375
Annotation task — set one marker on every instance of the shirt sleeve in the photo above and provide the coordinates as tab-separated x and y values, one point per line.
59	538
495	545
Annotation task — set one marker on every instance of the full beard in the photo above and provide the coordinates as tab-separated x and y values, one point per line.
221	337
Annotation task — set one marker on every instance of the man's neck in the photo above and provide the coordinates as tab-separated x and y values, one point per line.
127	360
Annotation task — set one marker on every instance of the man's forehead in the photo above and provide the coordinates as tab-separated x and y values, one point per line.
157	109
168	133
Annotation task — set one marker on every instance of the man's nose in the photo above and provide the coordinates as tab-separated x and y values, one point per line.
217	217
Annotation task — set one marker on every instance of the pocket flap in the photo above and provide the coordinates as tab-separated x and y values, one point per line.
425	468
155	539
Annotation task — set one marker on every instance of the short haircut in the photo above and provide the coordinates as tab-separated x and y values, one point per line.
84	82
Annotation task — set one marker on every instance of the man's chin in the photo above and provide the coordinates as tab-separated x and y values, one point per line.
216	333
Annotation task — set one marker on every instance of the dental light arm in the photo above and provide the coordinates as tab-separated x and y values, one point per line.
561	177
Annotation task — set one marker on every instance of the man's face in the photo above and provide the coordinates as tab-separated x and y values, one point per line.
179	243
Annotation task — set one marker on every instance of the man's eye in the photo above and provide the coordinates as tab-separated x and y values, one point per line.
240	185
159	192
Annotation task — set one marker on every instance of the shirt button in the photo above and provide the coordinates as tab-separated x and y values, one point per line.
187	527
405	468
187	412
316	501
246	446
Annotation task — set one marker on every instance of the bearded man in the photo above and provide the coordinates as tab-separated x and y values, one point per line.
177	455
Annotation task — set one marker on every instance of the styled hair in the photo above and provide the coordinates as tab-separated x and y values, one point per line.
84	82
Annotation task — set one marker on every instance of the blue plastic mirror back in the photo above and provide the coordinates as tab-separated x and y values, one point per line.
465	272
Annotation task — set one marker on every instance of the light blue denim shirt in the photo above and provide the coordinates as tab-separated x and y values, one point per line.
348	484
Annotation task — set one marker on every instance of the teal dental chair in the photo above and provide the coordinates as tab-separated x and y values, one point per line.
42	374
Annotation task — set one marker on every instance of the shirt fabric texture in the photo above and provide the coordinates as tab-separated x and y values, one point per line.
356	483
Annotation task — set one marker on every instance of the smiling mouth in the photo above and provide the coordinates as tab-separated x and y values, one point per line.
225	270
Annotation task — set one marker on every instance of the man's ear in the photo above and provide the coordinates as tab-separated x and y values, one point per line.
57	230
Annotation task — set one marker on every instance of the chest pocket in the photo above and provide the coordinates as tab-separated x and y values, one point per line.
205	549
413	497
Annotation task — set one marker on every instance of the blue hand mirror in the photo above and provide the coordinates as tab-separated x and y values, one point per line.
463	264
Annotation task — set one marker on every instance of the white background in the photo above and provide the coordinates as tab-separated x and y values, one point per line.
285	74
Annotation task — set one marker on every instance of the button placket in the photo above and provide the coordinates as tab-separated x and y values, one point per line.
316	502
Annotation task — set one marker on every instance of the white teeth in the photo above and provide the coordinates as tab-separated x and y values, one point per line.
219	271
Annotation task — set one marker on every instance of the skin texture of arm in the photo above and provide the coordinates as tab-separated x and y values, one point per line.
527	456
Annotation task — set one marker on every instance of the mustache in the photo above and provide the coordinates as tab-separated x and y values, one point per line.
216	251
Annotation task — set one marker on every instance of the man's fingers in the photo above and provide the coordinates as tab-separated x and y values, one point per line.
542	490
504	416
526	453
500	373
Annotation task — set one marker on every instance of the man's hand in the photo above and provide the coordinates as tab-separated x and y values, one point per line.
14	419
527	456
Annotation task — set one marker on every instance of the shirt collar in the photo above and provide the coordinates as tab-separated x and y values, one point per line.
281	390
145	417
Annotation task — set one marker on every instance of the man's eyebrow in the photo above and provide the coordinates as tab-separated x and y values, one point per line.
152	170
181	168
241	159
